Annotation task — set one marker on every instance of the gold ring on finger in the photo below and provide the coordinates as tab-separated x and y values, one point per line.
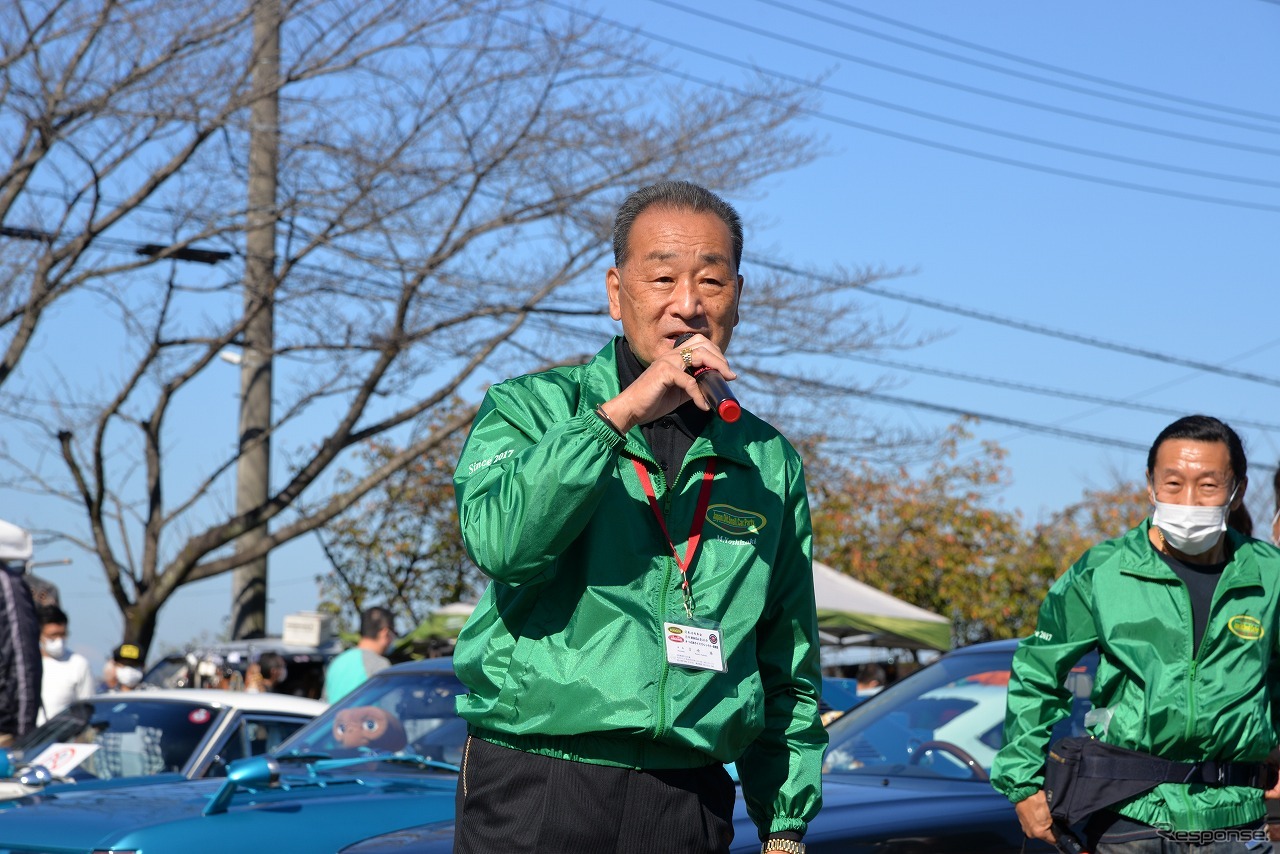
686	356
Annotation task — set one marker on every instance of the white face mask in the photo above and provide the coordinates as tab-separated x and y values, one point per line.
128	677
1275	537
54	647
1190	529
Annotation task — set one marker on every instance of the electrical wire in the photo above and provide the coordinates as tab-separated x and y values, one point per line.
1025	326
973	126
1043	391
942	146
964	412
1057	69
976	90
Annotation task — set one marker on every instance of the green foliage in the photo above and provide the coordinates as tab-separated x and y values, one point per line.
936	541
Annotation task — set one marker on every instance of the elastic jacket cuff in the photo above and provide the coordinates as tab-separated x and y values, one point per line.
602	431
1020	794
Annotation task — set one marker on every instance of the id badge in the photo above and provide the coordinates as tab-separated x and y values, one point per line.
694	646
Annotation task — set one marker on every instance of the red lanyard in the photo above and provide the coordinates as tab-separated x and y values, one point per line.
695	529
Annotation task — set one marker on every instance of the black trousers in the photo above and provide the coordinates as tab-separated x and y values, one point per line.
514	802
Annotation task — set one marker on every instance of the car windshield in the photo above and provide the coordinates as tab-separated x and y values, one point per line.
119	738
946	721
406	713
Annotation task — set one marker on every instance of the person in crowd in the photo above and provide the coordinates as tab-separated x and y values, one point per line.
266	674
20	670
871	679
66	676
1185	615
351	668
127	666
615	666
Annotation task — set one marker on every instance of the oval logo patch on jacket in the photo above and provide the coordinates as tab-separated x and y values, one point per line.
1245	627
731	520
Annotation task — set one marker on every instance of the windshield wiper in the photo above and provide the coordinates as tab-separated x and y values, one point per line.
302	756
418	761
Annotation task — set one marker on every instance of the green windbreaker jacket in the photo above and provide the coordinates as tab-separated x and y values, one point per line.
565	653
1121	598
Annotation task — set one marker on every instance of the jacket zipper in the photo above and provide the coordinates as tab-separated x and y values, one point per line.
660	730
662	604
1191	676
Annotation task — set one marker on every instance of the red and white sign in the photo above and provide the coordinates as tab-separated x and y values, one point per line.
61	759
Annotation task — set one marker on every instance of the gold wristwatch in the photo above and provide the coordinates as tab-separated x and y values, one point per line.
782	845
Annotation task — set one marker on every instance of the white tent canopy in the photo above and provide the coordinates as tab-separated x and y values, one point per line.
850	611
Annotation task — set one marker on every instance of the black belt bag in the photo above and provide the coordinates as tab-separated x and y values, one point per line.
1084	775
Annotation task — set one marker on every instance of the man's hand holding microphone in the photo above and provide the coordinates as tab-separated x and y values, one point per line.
695	369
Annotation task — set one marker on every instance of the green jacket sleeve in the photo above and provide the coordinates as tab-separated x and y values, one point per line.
1038	698
529	478
781	772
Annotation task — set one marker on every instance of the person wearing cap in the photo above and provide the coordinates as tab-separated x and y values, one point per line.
651	614
127	661
20	669
66	674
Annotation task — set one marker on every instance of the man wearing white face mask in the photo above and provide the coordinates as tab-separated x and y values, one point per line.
1185	616
66	677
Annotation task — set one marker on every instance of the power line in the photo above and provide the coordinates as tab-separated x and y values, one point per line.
1027	326
964	311
1044	391
975	90
1022	424
1057	69
888	105
955	149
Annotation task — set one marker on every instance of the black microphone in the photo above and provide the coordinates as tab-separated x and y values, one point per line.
714	388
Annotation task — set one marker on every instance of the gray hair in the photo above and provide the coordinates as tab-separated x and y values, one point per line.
677	195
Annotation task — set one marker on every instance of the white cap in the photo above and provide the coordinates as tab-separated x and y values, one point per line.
15	543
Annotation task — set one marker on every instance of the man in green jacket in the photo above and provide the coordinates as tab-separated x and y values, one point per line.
615	664
1185	615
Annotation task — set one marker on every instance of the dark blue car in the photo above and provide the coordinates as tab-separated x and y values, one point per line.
383	758
906	772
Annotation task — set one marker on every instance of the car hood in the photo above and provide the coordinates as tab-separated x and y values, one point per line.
873	809
11	790
299	814
877	809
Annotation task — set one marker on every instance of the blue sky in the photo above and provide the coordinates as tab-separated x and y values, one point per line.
1167	244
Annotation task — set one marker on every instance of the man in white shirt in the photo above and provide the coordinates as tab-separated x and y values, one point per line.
67	677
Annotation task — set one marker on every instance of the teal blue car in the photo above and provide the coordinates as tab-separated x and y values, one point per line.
383	758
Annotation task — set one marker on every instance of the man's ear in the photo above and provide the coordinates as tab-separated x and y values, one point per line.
1240	491
613	286
737	305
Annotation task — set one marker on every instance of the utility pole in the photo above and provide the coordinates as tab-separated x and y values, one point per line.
253	467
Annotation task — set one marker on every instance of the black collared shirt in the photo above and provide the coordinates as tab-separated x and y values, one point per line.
671	436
